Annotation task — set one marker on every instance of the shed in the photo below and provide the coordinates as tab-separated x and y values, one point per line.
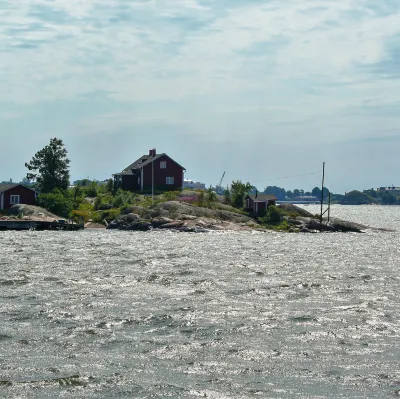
259	203
14	193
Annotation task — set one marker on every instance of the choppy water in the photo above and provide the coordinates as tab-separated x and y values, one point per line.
224	315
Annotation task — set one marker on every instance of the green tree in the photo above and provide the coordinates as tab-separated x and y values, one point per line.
239	191
211	195
58	202
279	192
227	196
316	192
50	167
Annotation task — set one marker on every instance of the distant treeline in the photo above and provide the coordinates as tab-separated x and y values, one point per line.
283	194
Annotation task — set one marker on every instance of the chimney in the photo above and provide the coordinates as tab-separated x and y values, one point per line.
152	153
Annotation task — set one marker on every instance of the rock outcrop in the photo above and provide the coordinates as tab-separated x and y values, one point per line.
180	216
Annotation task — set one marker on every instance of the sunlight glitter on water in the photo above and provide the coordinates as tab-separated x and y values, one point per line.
226	315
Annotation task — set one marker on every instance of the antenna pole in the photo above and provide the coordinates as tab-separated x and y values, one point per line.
322	191
329	208
152	180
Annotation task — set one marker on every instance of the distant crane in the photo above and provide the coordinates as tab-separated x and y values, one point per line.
222	179
219	188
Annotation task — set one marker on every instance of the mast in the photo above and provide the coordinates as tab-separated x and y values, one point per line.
322	191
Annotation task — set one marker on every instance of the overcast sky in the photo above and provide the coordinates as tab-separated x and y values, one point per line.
261	89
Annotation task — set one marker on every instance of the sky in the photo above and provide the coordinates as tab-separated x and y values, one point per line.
265	90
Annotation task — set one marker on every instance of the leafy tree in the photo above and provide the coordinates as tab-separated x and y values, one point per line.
296	192
279	193
316	192
227	195
211	195
110	186
389	199
58	202
239	191
289	194
91	190
50	167
274	214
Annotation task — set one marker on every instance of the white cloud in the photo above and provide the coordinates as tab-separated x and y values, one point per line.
270	64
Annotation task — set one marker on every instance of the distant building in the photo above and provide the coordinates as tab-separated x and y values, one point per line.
194	185
13	194
391	190
158	170
259	203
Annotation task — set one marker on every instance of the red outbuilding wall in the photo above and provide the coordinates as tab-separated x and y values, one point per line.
26	195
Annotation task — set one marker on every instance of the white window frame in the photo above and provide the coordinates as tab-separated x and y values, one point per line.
163	165
170	180
13	201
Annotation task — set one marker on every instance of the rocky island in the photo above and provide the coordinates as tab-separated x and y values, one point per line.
183	217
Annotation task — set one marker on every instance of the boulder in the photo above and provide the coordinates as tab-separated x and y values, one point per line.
175	225
139	225
122	221
157	222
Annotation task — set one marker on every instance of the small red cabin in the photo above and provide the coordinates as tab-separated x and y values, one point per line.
12	194
259	203
153	170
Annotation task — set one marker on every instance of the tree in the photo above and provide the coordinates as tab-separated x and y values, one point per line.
239	191
316	192
296	192
227	196
279	193
57	202
50	167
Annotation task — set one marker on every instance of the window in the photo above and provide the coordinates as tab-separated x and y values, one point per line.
14	199
170	180
163	165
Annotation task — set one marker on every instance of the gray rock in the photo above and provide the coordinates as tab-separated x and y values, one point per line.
139	225
157	222
173	225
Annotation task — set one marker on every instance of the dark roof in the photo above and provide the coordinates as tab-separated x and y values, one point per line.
262	197
9	186
143	161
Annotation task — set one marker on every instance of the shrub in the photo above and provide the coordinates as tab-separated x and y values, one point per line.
111	214
211	195
91	191
123	199
58	202
274	214
170	195
97	202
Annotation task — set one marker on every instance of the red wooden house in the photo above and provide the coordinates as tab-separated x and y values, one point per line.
259	203
153	170
12	194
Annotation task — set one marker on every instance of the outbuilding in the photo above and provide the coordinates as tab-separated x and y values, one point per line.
12	194
259	203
